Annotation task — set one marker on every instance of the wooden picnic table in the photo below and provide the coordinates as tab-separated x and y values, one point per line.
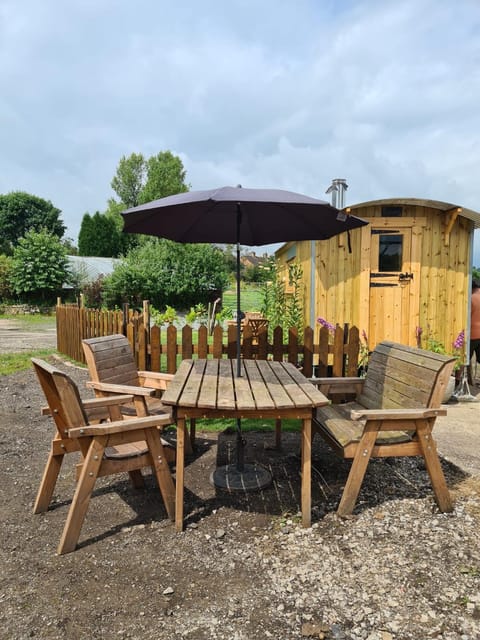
211	389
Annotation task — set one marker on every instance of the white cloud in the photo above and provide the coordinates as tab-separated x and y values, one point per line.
277	93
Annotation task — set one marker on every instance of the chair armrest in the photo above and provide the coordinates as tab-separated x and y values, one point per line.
108	387
396	414
338	385
155	380
120	426
96	403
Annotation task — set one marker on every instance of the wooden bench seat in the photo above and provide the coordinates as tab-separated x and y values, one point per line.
393	414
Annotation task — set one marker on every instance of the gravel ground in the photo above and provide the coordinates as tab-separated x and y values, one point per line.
244	568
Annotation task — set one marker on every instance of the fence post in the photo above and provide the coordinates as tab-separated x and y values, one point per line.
125	318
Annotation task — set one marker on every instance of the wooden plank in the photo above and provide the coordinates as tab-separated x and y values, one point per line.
171	349
244	396
272	374
202	347
175	389
155	348
315	397
323	337
263	399
278	344
207	398
307	352
217	342
226	388
187	344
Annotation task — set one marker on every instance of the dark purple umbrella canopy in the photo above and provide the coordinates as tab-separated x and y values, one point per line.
242	216
233	214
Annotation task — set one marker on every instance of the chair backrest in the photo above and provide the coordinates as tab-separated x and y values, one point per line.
110	359
62	396
405	377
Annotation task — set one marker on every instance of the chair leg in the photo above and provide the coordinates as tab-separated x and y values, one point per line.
193	424
434	468
83	492
49	480
358	469
136	479
162	471
278	434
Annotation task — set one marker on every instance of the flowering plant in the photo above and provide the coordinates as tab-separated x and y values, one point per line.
327	324
364	353
459	349
432	344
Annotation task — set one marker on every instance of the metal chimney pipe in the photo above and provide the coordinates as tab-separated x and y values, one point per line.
342	186
333	189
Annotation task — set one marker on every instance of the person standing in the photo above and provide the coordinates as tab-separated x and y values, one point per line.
475	321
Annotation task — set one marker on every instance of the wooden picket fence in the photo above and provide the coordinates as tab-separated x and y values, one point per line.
320	352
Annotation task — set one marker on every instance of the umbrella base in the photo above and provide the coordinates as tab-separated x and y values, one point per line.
252	478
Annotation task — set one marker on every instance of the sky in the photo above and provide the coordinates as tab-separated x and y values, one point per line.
262	93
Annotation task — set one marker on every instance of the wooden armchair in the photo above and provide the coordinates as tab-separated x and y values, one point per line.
393	414
112	368
106	448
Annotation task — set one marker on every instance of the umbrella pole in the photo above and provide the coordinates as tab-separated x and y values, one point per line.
240	440
240	476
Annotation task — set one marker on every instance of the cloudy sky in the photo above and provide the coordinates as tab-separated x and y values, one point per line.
280	93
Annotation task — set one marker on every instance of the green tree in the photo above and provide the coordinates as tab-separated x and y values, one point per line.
129	180
70	247
167	273
39	267
138	180
127	241
99	236
165	177
6	292
21	212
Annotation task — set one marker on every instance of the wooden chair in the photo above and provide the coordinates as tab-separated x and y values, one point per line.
395	410
112	368
257	325
106	448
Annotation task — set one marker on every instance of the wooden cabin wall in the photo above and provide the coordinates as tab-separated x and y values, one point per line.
341	288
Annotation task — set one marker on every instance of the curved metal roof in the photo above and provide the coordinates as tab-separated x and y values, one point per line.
474	216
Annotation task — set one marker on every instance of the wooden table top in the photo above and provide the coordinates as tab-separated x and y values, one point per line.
263	386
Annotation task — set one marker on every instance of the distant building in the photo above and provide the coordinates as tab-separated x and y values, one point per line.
252	260
89	269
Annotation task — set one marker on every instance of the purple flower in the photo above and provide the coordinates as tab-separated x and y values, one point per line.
327	324
459	341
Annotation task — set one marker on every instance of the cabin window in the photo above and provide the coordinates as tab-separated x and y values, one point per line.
390	252
391	211
291	252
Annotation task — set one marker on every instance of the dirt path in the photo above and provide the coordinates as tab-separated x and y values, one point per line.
16	337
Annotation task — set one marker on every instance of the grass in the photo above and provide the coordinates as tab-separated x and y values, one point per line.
33	321
266	425
251	298
15	362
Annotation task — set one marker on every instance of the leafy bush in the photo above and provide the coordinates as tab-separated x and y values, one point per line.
167	273
6	292
39	267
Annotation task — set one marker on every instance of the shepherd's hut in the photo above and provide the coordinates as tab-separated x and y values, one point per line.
408	272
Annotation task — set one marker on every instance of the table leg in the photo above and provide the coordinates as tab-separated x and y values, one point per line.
307	472
179	474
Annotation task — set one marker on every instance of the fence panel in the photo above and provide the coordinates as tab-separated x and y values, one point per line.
321	353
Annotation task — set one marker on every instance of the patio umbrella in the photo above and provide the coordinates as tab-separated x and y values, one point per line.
242	216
